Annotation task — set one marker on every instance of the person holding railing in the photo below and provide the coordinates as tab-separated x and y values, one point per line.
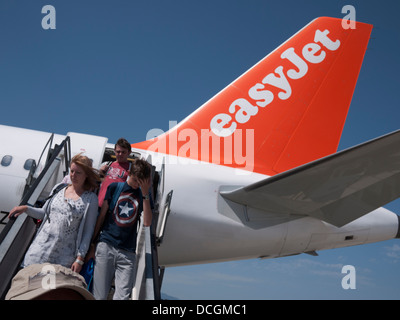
68	219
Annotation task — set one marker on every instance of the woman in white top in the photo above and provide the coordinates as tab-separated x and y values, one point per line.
68	218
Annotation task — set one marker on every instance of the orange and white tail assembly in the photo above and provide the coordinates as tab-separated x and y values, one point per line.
287	110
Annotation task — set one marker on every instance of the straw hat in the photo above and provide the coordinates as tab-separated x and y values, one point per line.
48	281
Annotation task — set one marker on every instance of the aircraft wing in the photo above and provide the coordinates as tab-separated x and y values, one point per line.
337	189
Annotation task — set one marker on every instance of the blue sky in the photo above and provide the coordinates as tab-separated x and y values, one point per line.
120	68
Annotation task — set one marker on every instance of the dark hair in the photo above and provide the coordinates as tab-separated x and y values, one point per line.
92	174
141	169
123	143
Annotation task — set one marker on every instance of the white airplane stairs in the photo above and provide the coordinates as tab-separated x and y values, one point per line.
17	234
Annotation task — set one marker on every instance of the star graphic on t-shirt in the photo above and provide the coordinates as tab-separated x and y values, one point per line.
125	210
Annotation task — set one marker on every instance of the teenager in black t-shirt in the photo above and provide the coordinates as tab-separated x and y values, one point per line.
115	252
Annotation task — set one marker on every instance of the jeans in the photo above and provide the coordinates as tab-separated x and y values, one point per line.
110	262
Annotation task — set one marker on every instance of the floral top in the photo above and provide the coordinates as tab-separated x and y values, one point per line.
66	229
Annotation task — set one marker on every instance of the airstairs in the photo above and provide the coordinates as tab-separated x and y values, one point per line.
17	234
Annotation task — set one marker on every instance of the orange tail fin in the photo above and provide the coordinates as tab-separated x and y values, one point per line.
289	109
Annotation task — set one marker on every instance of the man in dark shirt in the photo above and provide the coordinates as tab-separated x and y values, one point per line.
119	215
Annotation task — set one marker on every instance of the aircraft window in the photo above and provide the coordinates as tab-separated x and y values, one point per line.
6	161
28	164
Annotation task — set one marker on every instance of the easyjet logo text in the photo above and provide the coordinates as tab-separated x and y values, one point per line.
241	110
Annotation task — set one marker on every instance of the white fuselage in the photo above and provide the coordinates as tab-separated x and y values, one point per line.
202	226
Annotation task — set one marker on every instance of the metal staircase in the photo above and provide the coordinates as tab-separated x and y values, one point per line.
18	233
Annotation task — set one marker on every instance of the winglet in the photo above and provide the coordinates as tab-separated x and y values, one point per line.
288	110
